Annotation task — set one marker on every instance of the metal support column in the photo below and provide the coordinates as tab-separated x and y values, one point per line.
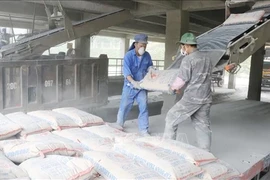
255	78
177	24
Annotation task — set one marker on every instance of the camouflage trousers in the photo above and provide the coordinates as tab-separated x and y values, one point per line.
199	114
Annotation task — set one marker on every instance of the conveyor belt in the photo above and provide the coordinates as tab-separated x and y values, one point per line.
233	43
219	38
35	45
47	33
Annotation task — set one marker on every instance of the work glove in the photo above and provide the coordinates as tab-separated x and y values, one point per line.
136	85
171	91
152	71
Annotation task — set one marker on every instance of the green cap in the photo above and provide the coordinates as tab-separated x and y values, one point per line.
188	38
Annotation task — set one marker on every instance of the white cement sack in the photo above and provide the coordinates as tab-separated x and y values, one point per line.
87	139
130	137
81	118
194	178
8	170
106	131
189	152
214	171
99	178
5	142
24	178
261	4
232	173
245	18
48	136
21	150
59	167
113	165
57	121
161	82
157	159
218	170
30	124
8	128
11	138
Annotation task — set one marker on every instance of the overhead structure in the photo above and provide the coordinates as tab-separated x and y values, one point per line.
237	38
34	46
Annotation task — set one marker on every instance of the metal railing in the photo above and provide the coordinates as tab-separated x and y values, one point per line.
116	66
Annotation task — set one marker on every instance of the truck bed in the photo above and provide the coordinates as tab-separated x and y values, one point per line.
240	134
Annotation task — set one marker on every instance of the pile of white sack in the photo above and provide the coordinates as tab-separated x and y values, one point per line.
68	143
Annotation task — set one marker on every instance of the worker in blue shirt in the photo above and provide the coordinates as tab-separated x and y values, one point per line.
137	62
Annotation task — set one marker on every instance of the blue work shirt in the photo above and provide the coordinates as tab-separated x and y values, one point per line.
136	67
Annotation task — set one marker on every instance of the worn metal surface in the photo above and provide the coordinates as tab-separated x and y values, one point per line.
45	84
241	49
240	134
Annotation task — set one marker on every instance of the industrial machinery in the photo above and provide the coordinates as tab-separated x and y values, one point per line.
231	44
30	80
218	78
32	47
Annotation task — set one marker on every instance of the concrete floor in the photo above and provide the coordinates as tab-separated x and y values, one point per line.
109	112
240	132
240	128
155	99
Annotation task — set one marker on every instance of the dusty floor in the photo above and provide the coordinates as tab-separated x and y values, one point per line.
109	112
220	95
240	128
240	132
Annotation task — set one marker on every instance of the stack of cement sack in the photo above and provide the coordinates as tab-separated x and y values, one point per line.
30	148
68	143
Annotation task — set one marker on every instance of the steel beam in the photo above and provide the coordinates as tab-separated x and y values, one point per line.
146	27
154	19
218	17
19	8
134	31
204	19
169	5
146	10
82	5
198	28
202	5
136	25
125	4
36	45
151	22
141	26
23	24
26	10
